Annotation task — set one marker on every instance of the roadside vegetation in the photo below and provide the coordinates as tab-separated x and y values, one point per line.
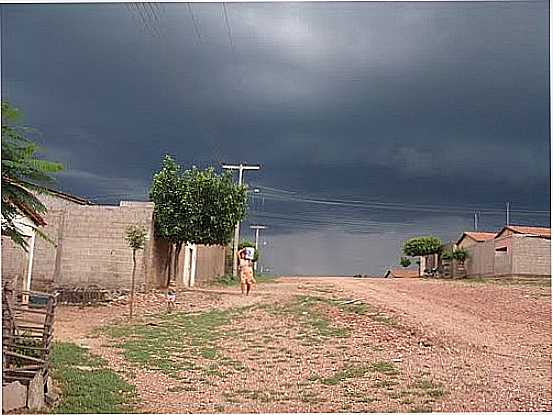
242	351
86	384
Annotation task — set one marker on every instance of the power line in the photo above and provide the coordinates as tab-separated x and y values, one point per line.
229	31
194	23
391	206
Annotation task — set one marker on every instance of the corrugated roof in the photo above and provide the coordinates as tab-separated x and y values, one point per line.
528	230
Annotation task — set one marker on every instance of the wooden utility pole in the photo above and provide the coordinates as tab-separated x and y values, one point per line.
241	167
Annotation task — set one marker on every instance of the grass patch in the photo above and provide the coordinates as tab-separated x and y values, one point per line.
174	342
387	384
434	390
264	396
352	308
88	391
309	312
357	372
386	368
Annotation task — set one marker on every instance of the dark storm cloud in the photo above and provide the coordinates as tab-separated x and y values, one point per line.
415	103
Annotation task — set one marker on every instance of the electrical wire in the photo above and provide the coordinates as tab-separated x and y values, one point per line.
364	204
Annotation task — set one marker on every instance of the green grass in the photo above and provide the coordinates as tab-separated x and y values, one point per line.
99	390
174	342
434	390
388	384
309	312
386	368
353	372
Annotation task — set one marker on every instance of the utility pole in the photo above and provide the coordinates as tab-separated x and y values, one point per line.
241	167
257	229
508	209
475	220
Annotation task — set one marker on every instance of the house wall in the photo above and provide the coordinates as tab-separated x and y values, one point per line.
503	258
89	249
210	263
94	249
14	262
531	255
480	260
524	255
466	242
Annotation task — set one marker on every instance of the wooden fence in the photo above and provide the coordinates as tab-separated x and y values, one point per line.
27	333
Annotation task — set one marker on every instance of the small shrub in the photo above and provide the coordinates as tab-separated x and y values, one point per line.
460	255
447	256
405	262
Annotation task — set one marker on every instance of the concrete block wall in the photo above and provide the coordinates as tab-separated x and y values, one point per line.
89	249
94	250
46	253
503	264
480	260
14	262
531	255
524	255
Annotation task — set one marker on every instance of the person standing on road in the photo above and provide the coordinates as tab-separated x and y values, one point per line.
245	265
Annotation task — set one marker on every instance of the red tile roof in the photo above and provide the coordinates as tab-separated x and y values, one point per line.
528	230
402	273
478	236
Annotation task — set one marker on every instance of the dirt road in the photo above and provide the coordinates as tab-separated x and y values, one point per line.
298	345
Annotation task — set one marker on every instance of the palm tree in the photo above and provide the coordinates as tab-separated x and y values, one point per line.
23	177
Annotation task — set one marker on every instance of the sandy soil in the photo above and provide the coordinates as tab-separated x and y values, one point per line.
481	346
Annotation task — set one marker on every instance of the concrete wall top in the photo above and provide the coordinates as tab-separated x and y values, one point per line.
128	203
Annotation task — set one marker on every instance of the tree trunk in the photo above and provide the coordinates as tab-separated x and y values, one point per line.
178	248
132	281
170	263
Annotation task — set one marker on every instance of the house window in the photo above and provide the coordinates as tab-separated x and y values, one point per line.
501	250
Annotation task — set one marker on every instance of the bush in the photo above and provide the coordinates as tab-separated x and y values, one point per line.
447	256
405	262
460	255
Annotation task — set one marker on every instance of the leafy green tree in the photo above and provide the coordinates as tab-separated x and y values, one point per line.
405	262
24	176
136	238
421	246
195	206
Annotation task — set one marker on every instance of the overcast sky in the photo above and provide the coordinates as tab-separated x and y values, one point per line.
373	122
